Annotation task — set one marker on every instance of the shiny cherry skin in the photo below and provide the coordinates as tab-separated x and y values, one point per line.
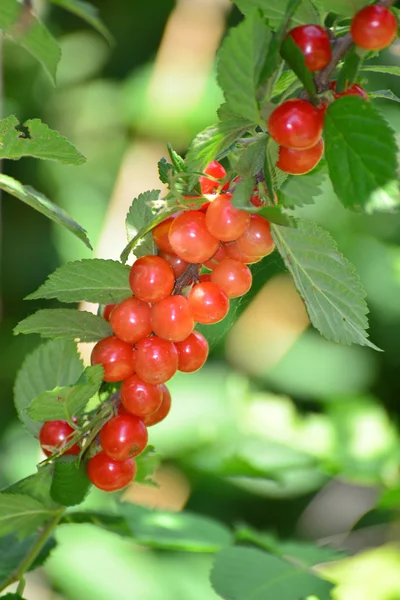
140	398
178	265
204	277
208	303
209	186
216	258
296	124
123	436
315	45
171	318
233	277
257	239
234	251
116	357
130	320
156	360
108	310
190	238
224	221
353	90
108	474
54	435
299	162
161	412
160	235
192	352
151	278
374	27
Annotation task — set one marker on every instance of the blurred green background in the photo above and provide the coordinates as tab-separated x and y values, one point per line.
311	427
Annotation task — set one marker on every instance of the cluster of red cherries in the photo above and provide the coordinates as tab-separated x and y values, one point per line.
153	329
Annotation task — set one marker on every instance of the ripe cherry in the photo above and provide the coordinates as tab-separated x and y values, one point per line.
109	474
130	320
204	277
209	304
171	318
156	360
233	277
298	162
257	240
178	265
107	311
234	251
216	258
139	397
353	90
123	436
190	237
54	435
161	412
374	27
296	124
314	42
224	221
116	356
192	352
160	235
151	278
209	186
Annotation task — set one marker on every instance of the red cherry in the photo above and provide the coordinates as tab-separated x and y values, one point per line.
156	360
107	311
233	277
234	251
298	162
108	474
54	435
322	107
257	240
208	186
151	278
204	277
256	200
314	42
178	265
209	304
171	318
116	357
190	238
123	436
140	398
160	235
192	352
130	320
216	258
160	414
353	90
374	27
296	124
224	221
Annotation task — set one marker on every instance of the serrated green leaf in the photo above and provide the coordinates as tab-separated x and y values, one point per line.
147	463
275	12
274	214
269	170
240	61
349	71
26	30
385	95
252	159
177	160
326	281
34	138
346	8
65	323
14	552
54	363
37	486
287	79
243	573
295	58
165	170
299	190
243	192
70	482
360	151
91	280
140	214
21	514
67	402
88	13
387	70
36	200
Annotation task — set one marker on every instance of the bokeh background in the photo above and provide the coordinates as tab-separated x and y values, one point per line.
316	422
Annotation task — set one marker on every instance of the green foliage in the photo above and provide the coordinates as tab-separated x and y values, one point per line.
342	7
326	282
70	482
301	189
243	192
360	151
275	214
88	13
349	71
275	12
22	514
36	139
56	323
55	363
138	225
12	597
91	280
36	486
13	553
387	70
147	463
385	95
36	200
252	158
296	61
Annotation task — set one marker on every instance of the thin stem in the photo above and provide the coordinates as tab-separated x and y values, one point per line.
190	275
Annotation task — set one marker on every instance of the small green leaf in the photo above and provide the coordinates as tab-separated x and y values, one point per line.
360	151
326	282
65	323
91	280
385	95
36	139
37	486
285	81
140	214
21	514
252	159
346	8
243	192
240	61
67	402
299	190
12	597
147	463
70	481
53	363
177	160
275	12
275	215
269	170
165	170
294	57
349	71
387	70
43	205
88	13
243	573
14	552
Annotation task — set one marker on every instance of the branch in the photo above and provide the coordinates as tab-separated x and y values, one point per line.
190	275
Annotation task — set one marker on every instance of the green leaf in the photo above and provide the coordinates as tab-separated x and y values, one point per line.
299	190
70	481
21	514
286	80
385	95
346	8
25	29
140	214
177	161
147	463
326	282
65	323
244	573
12	597
295	58
388	70
37	486
67	402
165	170
349	71
43	205
88	13
269	170
91	280
252	159
240	61
54	363
275	215
360	151
36	139
243	192
14	552
275	12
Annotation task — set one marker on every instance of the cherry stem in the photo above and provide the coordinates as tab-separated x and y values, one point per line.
189	275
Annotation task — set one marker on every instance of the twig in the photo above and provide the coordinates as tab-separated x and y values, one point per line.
190	275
